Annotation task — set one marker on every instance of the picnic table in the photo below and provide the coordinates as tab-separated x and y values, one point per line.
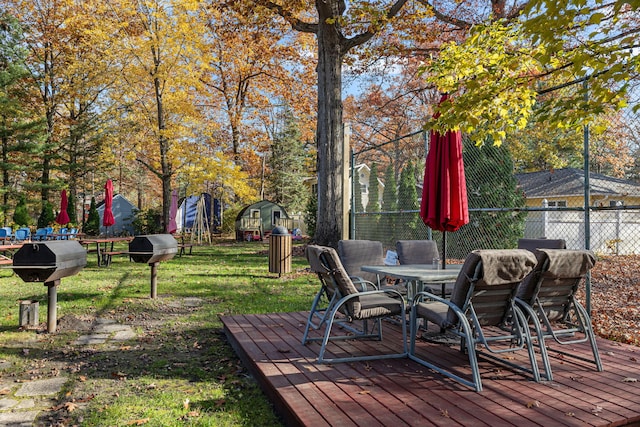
104	247
10	249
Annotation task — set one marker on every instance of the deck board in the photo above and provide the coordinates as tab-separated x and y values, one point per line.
400	392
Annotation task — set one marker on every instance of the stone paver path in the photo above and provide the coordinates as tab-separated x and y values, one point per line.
21	405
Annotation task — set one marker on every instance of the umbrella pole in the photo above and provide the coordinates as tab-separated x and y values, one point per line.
444	249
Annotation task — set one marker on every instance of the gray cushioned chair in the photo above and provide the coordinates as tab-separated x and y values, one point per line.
356	253
548	298
338	302
483	296
419	252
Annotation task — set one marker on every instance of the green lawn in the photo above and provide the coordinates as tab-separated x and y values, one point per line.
179	370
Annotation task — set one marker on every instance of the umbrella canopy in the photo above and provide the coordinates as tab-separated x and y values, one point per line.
172	226
444	194
63	216
107	217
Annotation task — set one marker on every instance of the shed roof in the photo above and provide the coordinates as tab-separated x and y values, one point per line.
570	182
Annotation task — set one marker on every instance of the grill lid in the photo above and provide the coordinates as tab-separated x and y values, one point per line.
48	261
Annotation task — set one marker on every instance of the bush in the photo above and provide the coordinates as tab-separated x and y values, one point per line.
229	219
147	222
21	215
46	216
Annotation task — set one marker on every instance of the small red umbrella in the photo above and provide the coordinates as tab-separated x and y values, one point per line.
63	216
107	217
444	194
172	226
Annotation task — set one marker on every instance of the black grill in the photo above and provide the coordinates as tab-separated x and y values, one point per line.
153	248
49	262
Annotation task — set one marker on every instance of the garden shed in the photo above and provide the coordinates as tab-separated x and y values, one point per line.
123	212
255	222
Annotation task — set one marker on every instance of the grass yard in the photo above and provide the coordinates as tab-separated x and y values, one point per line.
179	369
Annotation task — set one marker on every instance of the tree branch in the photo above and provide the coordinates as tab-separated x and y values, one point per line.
366	36
296	24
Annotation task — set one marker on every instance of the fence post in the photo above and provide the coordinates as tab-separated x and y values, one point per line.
545	218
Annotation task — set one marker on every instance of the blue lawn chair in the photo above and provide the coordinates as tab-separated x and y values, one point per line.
41	234
22	234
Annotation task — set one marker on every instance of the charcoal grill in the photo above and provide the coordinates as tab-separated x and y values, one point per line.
152	249
48	262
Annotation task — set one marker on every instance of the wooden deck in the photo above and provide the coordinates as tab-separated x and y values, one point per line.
400	392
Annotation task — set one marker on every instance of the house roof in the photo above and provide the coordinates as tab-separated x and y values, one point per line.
570	182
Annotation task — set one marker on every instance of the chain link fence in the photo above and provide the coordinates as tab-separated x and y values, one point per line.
500	212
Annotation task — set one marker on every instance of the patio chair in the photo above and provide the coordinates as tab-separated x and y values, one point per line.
548	298
22	234
483	299
542	243
356	253
418	252
339	303
41	234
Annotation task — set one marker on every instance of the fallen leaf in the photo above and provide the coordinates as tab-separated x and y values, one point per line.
185	404
533	404
596	410
630	380
444	413
82	378
570	414
70	406
364	392
5	391
138	422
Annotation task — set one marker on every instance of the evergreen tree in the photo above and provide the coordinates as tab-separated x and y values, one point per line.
388	221
288	167
21	216
408	200
357	193
407	194
19	131
46	216
374	190
390	194
92	225
311	215
71	211
489	229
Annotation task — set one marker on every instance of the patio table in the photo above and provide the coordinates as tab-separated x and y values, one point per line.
417	275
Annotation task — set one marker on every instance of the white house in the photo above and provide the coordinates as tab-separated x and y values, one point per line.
363	172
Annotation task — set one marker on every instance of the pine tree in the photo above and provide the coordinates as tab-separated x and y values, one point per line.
287	165
489	230
407	194
374	191
46	216
357	192
92	225
390	194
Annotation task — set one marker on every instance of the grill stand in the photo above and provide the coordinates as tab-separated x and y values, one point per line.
52	305
154	279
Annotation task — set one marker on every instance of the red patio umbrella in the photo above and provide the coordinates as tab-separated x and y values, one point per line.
172	226
63	216
444	194
107	217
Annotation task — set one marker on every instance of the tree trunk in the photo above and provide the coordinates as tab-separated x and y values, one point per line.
330	135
